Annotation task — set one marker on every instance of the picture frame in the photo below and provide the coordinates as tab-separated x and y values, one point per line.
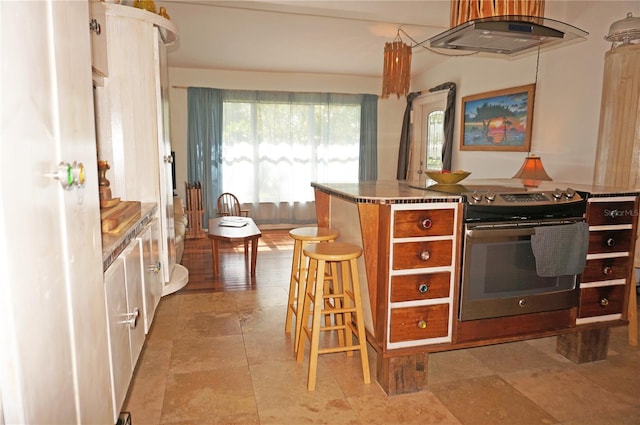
499	120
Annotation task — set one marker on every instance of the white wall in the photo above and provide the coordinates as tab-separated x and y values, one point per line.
567	101
390	110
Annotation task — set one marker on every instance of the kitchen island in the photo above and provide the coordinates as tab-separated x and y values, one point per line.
412	238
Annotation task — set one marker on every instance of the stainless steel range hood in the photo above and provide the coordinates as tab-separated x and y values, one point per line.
507	35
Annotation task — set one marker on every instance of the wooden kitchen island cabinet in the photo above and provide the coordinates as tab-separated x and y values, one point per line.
411	271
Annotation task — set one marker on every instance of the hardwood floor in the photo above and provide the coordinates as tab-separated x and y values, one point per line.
275	251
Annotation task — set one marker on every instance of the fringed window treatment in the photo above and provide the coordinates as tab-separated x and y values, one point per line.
466	10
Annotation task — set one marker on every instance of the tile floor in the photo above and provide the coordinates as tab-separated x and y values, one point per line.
223	358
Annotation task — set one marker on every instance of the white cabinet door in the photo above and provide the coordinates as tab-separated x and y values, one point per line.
121	367
152	282
123	289
53	338
133	279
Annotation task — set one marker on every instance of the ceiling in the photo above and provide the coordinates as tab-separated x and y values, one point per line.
328	37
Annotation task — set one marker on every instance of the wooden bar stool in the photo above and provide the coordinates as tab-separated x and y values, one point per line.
347	305
302	236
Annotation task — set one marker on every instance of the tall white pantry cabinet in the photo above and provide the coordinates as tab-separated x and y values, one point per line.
54	353
56	357
130	74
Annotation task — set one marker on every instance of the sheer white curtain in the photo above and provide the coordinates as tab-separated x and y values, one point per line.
276	144
267	147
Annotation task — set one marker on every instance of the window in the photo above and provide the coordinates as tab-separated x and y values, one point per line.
435	139
267	147
271	152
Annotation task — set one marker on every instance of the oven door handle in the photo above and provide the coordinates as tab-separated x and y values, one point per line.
498	232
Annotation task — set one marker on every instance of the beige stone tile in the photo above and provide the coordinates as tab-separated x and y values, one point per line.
145	399
333	412
455	365
265	339
489	400
154	358
565	393
629	416
207	324
511	357
280	385
208	302
263	297
618	374
209	397
208	353
406	409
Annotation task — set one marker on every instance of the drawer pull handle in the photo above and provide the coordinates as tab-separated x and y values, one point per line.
423	288
425	255
607	270
422	324
604	302
611	242
426	224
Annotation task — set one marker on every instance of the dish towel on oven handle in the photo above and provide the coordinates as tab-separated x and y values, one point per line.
560	250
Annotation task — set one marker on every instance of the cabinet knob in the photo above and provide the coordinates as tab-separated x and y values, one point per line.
155	268
422	324
611	242
607	270
423	288
94	26
604	302
69	175
426	224
425	255
132	318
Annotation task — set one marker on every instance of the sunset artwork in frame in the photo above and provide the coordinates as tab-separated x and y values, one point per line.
499	120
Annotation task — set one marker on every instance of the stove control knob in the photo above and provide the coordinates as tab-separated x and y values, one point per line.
476	196
570	193
490	196
557	194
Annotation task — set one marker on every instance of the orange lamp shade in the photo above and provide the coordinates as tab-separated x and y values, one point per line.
532	171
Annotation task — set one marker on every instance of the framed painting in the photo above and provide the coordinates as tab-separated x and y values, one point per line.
499	120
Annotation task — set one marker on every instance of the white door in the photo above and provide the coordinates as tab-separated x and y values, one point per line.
168	250
54	356
428	134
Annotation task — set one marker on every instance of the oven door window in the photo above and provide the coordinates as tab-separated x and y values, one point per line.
501	264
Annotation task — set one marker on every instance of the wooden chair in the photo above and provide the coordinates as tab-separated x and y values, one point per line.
228	205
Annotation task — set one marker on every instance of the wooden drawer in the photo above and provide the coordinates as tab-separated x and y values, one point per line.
423	322
416	255
601	300
606	269
609	213
415	223
609	241
420	286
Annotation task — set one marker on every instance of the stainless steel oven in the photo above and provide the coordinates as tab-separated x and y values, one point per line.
501	275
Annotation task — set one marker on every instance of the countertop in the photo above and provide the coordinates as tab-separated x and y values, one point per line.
114	243
394	191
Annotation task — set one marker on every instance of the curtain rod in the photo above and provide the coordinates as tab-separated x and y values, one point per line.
179	87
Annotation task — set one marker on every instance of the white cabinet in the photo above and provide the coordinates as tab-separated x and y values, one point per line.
132	115
53	337
124	300
152	282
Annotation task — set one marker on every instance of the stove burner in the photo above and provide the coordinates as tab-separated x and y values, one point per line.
504	203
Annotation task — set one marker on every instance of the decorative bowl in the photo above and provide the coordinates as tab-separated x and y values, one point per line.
447	178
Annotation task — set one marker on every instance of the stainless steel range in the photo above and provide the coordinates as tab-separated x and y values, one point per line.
523	249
